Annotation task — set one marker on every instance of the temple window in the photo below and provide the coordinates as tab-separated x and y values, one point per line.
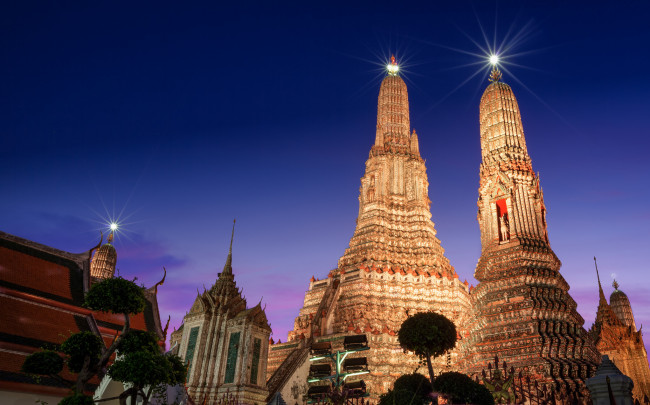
257	347
191	345
231	359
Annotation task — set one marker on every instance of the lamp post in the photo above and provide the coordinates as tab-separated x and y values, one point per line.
337	391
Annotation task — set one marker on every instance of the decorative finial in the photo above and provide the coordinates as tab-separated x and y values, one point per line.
232	236
161	282
600	287
166	327
110	238
615	285
495	75
227	269
392	67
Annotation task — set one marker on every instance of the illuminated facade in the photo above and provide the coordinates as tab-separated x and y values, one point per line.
224	344
393	266
523	311
615	334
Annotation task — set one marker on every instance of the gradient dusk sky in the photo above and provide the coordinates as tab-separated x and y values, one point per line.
176	117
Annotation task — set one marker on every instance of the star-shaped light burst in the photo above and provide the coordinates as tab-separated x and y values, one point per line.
117	225
492	56
392	67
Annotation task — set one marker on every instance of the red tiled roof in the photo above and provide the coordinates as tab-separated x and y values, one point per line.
38	322
39	307
19	268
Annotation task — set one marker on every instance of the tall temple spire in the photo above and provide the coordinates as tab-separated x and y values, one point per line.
511	202
393	122
601	294
502	133
394	260
394	227
518	272
227	268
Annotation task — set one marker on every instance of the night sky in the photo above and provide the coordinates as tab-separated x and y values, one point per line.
176	117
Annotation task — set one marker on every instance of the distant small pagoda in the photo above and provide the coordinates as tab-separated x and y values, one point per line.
616	335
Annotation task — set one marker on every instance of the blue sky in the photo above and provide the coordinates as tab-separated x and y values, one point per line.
178	118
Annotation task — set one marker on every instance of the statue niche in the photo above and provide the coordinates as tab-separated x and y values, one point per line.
503	221
370	194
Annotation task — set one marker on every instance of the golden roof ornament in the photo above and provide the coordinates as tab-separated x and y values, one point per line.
495	75
615	285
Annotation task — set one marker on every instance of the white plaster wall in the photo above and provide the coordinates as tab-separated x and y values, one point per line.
296	387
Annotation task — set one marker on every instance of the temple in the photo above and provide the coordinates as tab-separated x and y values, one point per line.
394	265
41	295
224	344
523	311
615	334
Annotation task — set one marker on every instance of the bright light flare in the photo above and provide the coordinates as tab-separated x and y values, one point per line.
392	69
494	59
113	226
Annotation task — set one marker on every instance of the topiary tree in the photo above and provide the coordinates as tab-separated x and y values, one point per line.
48	363
77	399
427	334
416	383
400	397
85	352
141	364
462	389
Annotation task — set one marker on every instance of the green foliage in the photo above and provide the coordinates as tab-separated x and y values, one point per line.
47	362
116	295
427	334
462	389
77	400
138	340
415	383
144	368
400	397
80	345
179	369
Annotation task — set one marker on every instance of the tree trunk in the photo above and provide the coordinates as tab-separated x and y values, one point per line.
145	397
106	356
84	376
430	366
